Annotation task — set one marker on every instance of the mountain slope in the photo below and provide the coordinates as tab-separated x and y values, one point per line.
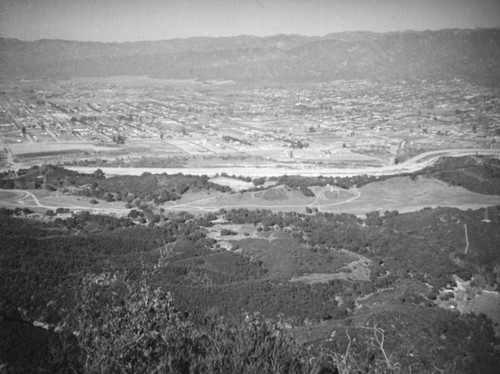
443	54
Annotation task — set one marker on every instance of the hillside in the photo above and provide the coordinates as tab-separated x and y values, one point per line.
440	55
327	275
321	287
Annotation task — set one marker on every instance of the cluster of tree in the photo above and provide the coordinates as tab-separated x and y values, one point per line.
40	261
231	139
225	232
52	255
296	143
297	181
119	139
259	181
143	161
84	119
426	244
239	177
163	187
457	171
297	301
43	263
48	176
422	340
122	117
206	270
128	326
157	188
6	212
453	170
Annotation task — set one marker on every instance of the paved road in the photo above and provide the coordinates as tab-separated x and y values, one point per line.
414	164
205	204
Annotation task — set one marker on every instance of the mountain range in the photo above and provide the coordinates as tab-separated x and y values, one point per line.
473	55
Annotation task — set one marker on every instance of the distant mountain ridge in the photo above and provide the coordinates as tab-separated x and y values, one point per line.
444	54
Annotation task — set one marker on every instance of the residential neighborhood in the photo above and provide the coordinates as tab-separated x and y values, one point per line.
335	123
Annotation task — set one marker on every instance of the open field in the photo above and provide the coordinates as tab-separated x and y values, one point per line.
30	148
40	201
488	302
468	299
9	195
278	198
400	193
356	270
153	146
286	259
35	152
406	195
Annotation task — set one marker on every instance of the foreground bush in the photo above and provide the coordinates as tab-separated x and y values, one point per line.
254	346
129	328
124	327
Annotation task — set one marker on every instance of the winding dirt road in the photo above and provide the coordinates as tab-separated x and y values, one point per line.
26	199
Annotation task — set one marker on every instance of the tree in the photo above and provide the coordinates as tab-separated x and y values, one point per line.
129	328
256	345
98	174
259	181
119	139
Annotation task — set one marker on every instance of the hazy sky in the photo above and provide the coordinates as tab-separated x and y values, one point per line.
132	20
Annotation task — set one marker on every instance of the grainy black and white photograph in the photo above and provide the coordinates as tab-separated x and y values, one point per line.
250	186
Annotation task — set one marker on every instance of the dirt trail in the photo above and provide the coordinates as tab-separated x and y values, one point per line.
26	199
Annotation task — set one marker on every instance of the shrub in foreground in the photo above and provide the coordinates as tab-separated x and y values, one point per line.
124	327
